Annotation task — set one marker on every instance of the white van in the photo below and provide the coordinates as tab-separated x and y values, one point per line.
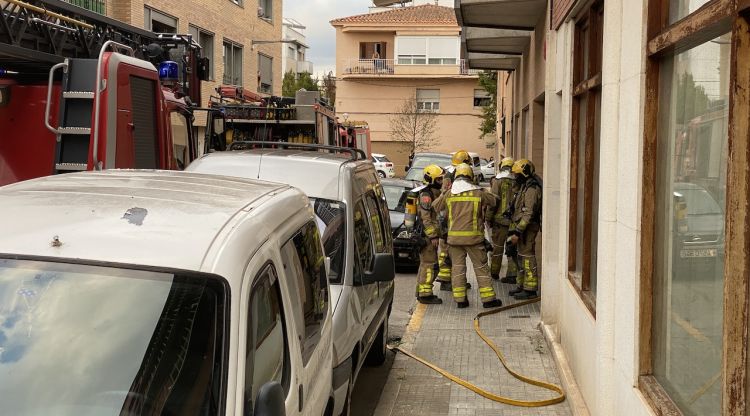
354	221
132	292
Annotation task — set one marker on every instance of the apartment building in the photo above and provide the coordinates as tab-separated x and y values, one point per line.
637	112
295	48
241	38
388	57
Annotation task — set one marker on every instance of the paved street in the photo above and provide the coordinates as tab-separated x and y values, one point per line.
446	337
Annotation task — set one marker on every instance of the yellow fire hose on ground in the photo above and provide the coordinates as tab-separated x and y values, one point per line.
484	393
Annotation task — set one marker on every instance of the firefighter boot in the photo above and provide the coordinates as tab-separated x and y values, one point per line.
526	295
462	305
515	291
430	300
495	303
508	279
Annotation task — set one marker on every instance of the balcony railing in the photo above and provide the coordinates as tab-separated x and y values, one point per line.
369	66
304	66
98	6
392	67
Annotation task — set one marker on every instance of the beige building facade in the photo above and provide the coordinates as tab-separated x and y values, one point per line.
386	58
636	111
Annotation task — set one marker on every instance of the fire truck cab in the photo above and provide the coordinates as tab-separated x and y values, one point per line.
80	91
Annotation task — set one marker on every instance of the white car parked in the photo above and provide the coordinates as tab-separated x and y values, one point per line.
142	292
488	170
383	165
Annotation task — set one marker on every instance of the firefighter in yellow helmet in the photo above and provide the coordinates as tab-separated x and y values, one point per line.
504	187
433	182
525	225
466	204
444	264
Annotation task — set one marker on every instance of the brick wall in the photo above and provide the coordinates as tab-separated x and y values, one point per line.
225	20
560	10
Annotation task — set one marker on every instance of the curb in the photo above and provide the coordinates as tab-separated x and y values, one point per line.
395	378
573	393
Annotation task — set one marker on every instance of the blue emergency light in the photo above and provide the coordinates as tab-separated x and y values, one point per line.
169	71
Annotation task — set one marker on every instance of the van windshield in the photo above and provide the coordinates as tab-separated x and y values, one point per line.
84	340
331	219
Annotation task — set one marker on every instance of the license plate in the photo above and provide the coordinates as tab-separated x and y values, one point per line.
403	255
697	252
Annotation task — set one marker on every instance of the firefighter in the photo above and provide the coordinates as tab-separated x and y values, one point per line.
504	188
444	263
525	225
433	182
466	204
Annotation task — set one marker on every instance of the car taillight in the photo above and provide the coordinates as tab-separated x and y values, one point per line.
389	165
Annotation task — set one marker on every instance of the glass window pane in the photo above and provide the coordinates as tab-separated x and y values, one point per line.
681	8
581	182
689	240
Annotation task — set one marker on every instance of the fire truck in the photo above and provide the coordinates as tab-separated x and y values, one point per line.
80	91
356	134
239	115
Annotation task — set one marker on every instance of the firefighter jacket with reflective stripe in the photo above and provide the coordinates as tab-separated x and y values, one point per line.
527	207
427	214
465	213
504	188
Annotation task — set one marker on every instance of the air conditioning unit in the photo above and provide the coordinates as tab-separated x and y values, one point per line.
261	12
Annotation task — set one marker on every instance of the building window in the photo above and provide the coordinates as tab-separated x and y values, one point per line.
98	6
428	100
232	63
584	157
430	50
482	98
265	9
695	268
159	22
265	74
206	41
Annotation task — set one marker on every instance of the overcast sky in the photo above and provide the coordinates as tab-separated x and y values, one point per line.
321	37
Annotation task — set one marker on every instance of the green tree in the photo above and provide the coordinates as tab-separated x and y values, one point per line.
293	83
488	81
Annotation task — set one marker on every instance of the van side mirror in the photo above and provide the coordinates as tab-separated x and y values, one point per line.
406	169
383	269
270	400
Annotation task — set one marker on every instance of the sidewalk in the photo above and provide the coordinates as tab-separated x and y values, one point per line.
444	335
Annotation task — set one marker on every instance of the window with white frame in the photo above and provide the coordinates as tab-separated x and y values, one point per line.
427	50
428	100
265	74
265	9
159	22
232	63
206	41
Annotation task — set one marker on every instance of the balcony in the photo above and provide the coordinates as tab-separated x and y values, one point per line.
97	6
390	67
304	66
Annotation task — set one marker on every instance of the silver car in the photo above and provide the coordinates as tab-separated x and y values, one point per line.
352	215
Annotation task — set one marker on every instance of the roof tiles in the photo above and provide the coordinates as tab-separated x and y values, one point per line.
424	14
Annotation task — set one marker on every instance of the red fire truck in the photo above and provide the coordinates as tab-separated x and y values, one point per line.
80	91
356	134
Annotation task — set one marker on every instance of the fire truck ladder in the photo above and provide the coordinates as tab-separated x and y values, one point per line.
52	38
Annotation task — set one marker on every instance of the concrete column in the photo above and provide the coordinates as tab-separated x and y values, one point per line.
608	161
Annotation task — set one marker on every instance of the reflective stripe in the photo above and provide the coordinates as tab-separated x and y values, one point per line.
475	200
459	291
487	292
425	288
429	231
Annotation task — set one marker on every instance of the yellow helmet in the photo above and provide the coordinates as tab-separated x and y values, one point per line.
462	156
433	173
523	167
507	163
464	170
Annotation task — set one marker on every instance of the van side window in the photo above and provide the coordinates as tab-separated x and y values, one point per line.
267	351
305	262
363	252
376	222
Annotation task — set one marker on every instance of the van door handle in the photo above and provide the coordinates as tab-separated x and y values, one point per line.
301	397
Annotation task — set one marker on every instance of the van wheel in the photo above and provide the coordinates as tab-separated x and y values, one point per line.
381	174
377	353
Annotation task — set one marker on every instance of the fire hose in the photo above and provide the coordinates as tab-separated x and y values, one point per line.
482	392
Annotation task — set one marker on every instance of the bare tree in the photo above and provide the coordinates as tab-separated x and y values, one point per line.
414	126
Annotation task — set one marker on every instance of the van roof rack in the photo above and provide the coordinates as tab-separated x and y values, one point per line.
355	154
